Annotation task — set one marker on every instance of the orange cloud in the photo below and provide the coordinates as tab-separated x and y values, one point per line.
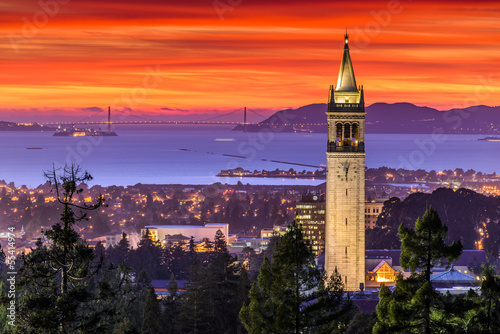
264	54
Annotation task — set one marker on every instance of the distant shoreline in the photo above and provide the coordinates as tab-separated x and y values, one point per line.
276	176
277	173
11	126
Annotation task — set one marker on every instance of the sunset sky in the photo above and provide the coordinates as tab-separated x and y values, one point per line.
180	57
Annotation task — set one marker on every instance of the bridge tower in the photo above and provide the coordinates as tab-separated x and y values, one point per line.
245	119
109	119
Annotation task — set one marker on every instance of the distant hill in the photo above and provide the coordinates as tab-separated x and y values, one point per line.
464	212
389	118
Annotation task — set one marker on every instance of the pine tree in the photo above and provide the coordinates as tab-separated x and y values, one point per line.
174	260
410	307
490	292
214	293
53	276
223	284
130	295
118	306
151	323
147	256
2	259
292	295
191	246
119	253
194	307
4	301
171	305
220	245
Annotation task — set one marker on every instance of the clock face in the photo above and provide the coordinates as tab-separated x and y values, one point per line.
315	198
346	170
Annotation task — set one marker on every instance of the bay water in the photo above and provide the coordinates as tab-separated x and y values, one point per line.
182	154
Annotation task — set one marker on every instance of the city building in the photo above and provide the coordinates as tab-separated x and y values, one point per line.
176	239
267	233
277	230
454	282
113	239
372	210
345	181
382	266
379	269
198	232
241	243
310	214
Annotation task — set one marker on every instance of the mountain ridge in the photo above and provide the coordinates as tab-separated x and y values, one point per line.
382	117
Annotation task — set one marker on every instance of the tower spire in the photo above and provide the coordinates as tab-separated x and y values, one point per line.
346	80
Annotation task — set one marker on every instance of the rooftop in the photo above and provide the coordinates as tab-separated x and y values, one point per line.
185	226
452	276
174	226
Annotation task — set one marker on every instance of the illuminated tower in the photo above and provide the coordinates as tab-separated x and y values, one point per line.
345	182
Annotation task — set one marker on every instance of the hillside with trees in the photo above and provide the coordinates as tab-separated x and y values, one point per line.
472	218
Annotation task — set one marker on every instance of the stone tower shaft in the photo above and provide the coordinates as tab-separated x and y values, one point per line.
345	185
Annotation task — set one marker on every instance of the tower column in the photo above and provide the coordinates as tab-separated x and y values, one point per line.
343	134
351	134
345	183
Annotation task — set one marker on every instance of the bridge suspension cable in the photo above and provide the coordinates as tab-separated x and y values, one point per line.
145	119
256	113
140	117
86	118
219	116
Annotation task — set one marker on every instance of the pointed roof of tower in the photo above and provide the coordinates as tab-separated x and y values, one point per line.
346	80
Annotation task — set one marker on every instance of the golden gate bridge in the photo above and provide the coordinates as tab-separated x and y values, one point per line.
148	121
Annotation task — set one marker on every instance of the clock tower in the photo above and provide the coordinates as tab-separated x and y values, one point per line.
345	181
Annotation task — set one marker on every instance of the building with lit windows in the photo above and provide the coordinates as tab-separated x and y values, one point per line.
383	266
379	269
310	214
207	231
277	230
372	210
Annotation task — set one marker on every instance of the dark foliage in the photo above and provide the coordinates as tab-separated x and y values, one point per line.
463	211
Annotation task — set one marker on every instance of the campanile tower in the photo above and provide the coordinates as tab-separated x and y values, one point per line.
345	182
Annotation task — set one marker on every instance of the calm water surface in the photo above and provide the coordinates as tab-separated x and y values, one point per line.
153	155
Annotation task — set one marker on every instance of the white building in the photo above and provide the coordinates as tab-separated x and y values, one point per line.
198	232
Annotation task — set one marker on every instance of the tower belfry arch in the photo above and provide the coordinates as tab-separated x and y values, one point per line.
345	182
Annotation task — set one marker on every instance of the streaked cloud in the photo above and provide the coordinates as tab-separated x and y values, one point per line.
263	54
